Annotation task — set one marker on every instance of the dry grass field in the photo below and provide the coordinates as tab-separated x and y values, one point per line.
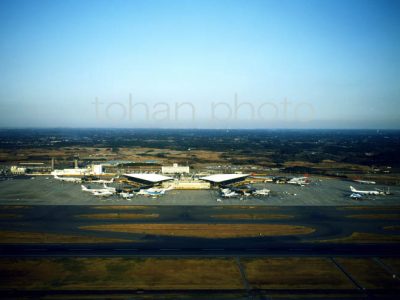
294	273
368	273
10	216
205	230
121	207
244	207
137	154
252	216
113	216
13	207
363	237
327	165
18	237
376	216
393	227
374	208
393	263
119	273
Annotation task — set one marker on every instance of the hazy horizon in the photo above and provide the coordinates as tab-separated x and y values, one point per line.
200	64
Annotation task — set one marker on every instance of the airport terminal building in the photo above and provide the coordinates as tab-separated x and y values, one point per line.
224	179
147	179
206	182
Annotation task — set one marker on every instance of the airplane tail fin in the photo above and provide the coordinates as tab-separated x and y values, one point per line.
84	188
352	189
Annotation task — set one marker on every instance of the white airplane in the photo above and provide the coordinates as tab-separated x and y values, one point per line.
103	181
227	193
365	181
262	192
356	196
153	191
126	195
68	179
299	180
353	190
110	188
230	195
105	192
86	189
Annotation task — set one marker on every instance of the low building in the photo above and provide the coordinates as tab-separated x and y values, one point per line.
175	169
187	184
72	172
15	170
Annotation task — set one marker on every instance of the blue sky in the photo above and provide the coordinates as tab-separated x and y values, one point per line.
336	64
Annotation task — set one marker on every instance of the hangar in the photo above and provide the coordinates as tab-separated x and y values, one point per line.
147	179
223	179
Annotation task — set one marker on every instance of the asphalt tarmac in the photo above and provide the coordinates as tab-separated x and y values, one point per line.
42	190
329	223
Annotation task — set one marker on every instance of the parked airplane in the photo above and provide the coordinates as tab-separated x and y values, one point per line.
225	190
86	189
68	179
105	192
227	193
230	195
126	195
110	188
153	191
299	180
366	192
262	192
356	196
365	181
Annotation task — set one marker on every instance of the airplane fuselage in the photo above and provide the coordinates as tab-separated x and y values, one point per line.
365	192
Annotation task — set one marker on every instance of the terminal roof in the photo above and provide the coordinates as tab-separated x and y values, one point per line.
223	177
148	177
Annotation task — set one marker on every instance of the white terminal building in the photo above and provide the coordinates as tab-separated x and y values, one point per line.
92	170
175	169
186	183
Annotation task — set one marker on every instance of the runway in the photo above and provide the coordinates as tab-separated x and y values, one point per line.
275	250
332	228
